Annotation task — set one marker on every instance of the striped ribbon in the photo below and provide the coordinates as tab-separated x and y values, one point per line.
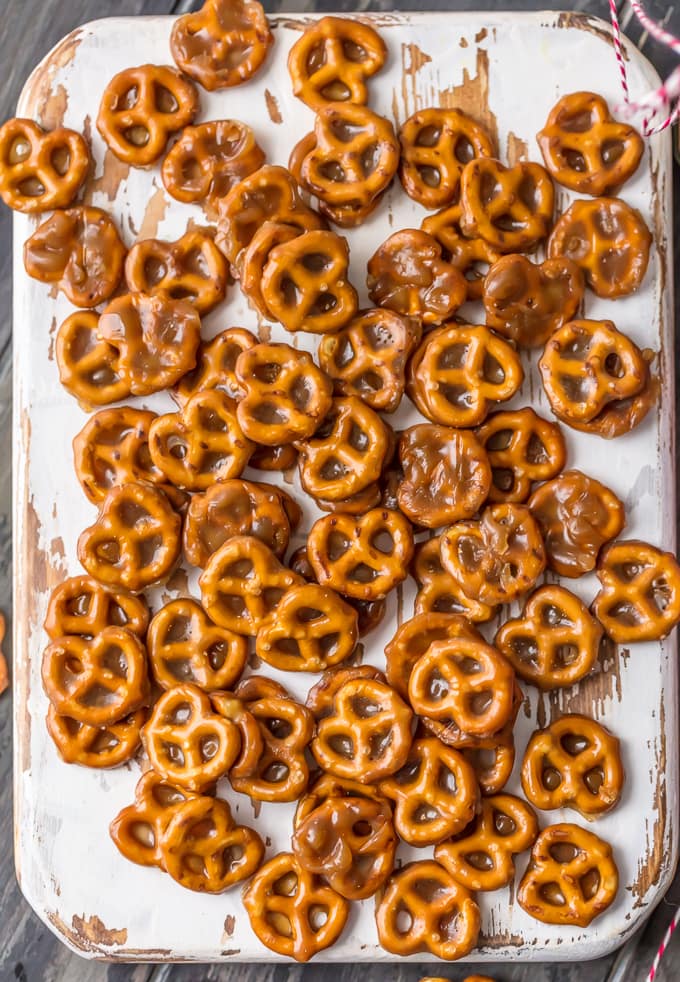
662	947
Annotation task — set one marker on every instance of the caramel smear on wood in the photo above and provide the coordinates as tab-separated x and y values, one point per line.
154	214
42	102
472	96
517	149
651	866
113	174
412	60
273	107
93	930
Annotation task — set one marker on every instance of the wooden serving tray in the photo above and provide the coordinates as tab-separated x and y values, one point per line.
507	70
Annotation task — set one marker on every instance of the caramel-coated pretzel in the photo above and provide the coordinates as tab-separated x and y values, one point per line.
414	637
209	160
493	761
321	697
216	364
439	592
228	705
96	746
623	415
449	732
472	256
40	171
82	606
192	269
522	448
88	367
136	830
255	256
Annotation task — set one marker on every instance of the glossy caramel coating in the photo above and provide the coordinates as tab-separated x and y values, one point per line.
191	269
216	365
88	366
40	170
414	637
82	606
209	160
136	830
439	592
472	256
100	747
522	448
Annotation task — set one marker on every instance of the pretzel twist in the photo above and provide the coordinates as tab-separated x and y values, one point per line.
40	171
215	365
88	367
511	208
209	160
82	606
95	746
414	637
522	447
191	269
136	830
471	256
438	592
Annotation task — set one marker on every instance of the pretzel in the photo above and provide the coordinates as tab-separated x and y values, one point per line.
81	251
439	592
496	558
203	848
458	371
305	285
527	302
639	597
446	475
291	911
97	680
414	637
215	365
141	108
95	746
134	541
40	171
236	507
573	763
282	458
522	447
555	642
192	268
321	697
209	160
585	149
435	793
472	256
223	44
82	606
136	830
407	274
435	146
622	415
243	583
255	256
228	705
313	629
571	877
481	858
328	786
576	515
424	909
608	240
88	367
492	761
511	208
358	504
453	735
332	59
349	555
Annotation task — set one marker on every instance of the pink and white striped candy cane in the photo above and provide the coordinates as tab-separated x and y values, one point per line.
662	947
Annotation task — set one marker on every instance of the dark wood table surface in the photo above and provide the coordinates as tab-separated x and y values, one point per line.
28	951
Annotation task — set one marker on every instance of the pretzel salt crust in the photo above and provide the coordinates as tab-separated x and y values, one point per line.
88	366
95	746
438	591
82	606
209	160
216	365
472	256
40	170
136	830
522	448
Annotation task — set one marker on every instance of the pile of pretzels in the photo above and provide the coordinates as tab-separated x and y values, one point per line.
473	501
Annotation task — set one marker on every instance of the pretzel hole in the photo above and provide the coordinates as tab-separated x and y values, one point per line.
365	708
503	479
342	745
280	729
611	152
436	686
271	596
489	188
269	413
31	187
138	136
164	100
503	824
368	382
429	889
354	52
279	923
143	833
148	550
453	356
154	270
484	760
563	852
590	884
370	159
217	655
446	781
338	544
536	452
430	176
470	552
19	150
551	778
464	150
594	779
132	514
576	388
79	606
479	860
565	655
115	661
174	753
108	552
191	172
323	304
613	365
209	747
104	742
166	796
317	916
625	613
575	160
492	370
424	814
525	648
344	131
383	542
362	573
403	921
332	171
551	894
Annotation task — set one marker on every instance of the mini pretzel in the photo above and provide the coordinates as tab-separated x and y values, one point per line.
446	475
134	541
482	857
608	240
216	365
471	256
492	761
228	705
435	146
576	515
332	59
555	642
314	628
527	302
573	763
95	746
408	275
223	44
209	160
81	251
435	793
424	909
451	733
349	555
156	339
511	208
321	697
40	171
522	447
622	415
255	256
88	367
284	900
282	458
192	269
357	504
328	786
82	606
496	558
571	878
414	637
185	646
458	371
96	681
136	830
336	176
439	592
243	583
305	285
585	149
639	598
203	848
141	108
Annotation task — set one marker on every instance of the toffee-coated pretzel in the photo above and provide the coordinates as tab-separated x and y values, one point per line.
481	857
639	597
191	269
522	448
97	680
141	108
492	760
496	558
449	732
229	705
82	606
95	746
329	786
571	877
40	171
472	256
136	830
80	250
345	215
350	554
253	259
435	146
438	591
282	458
215	365
459	371
608	240
585	149
321	697
623	415
573	763
135	540
332	59
555	642
408	274
357	504
88	367
527	301
511	208
223	44
203	848
283	902
435	793
577	515
424	909
414	637
209	160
